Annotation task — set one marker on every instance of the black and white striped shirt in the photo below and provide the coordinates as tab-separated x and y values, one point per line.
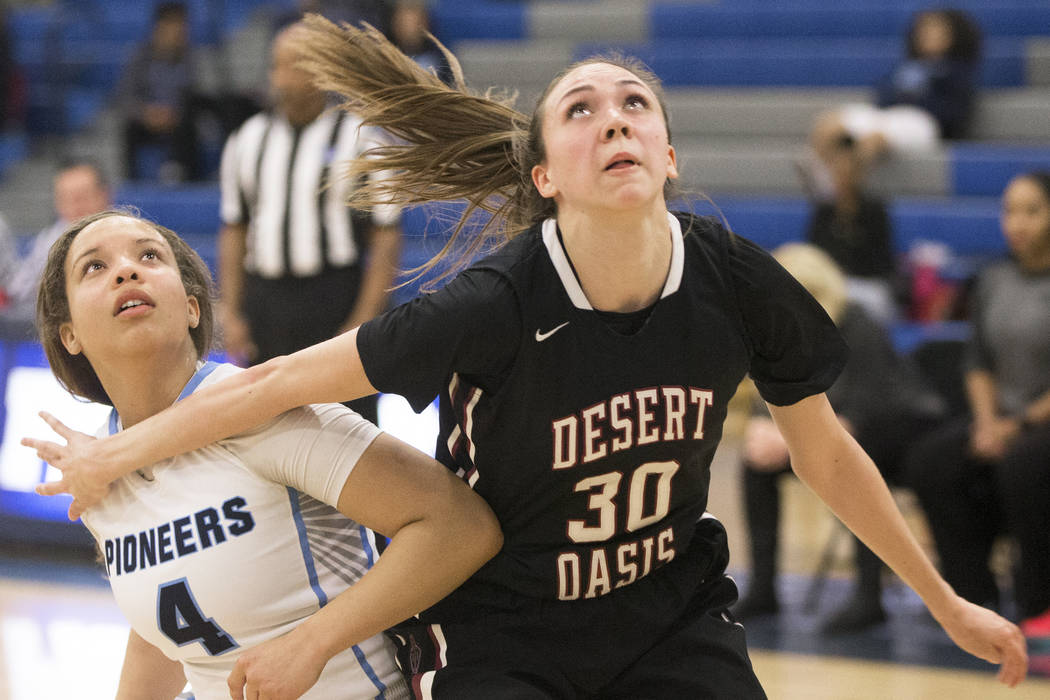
284	183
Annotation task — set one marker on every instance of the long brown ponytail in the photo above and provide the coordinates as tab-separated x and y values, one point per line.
450	143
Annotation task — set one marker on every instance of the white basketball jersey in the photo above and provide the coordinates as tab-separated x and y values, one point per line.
220	549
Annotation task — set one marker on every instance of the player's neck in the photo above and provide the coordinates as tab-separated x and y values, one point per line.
621	258
143	386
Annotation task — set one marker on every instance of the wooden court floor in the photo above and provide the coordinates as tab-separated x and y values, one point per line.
62	637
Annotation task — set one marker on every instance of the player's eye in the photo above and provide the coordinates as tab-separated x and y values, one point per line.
636	102
92	266
578	109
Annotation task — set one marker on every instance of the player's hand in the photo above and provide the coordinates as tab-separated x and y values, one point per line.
988	636
82	474
280	669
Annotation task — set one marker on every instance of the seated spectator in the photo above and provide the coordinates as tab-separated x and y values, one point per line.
80	188
854	229
409	25
156	96
12	81
8	262
374	12
928	97
989	472
878	398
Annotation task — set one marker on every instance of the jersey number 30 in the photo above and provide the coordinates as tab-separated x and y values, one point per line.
182	621
603	490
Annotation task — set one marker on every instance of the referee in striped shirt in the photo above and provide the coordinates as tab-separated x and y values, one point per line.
296	266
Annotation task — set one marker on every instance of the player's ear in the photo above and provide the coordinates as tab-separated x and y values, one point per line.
193	311
672	163
542	180
69	339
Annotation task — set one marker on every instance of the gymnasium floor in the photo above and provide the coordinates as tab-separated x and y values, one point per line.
62	637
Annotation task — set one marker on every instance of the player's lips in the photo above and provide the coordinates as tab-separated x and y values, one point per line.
130	300
621	160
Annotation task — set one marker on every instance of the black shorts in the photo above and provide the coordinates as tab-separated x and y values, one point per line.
668	635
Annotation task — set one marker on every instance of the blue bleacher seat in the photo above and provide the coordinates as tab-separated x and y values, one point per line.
187	209
479	20
796	62
984	169
13	148
846	18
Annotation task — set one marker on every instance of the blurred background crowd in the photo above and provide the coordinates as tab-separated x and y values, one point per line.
899	149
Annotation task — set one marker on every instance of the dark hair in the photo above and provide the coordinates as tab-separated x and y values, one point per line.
91	164
1041	178
966	34
170	11
74	372
451	143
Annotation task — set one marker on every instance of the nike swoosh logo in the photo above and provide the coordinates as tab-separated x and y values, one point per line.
540	337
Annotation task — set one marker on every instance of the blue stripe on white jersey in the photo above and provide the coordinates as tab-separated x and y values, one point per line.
304	545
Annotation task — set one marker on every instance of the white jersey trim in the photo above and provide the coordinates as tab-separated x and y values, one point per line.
572	285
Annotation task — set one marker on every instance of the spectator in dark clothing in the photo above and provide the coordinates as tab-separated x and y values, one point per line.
409	25
374	12
939	75
854	229
928	97
156	96
880	400
989	472
12	82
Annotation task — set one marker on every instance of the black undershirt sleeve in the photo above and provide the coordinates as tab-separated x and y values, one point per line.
472	326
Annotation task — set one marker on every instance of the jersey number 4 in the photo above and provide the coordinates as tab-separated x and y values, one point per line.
181	620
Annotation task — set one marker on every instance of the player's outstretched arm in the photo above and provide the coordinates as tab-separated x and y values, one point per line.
831	463
328	372
441	532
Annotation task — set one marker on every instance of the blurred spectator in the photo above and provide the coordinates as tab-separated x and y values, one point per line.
409	24
79	189
374	12
881	401
8	262
156	94
989	472
296	266
12	82
927	97
854	229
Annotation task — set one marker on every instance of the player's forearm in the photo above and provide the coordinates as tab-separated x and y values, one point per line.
147	673
850	484
425	561
237	403
829	461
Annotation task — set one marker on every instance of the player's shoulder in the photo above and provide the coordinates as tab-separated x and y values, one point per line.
703	230
513	255
216	372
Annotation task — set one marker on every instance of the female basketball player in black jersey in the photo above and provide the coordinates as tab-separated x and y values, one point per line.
583	370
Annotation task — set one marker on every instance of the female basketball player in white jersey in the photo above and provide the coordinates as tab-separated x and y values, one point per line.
244	548
584	371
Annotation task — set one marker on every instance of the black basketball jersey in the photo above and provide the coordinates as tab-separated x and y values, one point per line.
593	447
